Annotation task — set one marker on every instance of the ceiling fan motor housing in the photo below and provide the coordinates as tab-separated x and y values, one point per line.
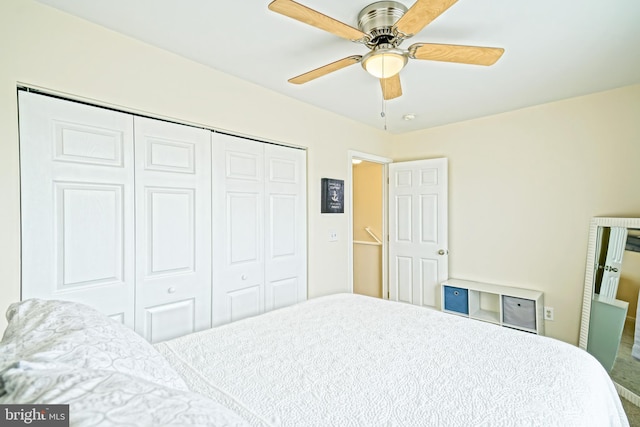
378	19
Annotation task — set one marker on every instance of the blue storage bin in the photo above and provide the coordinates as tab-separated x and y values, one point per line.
456	299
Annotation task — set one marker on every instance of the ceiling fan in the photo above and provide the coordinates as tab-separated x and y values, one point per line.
382	27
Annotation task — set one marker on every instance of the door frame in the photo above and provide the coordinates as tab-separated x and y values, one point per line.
384	161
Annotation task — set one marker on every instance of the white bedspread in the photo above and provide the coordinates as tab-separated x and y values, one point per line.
347	360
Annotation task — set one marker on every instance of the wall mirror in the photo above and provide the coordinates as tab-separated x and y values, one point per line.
610	328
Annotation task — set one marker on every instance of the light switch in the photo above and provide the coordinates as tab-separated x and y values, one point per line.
333	236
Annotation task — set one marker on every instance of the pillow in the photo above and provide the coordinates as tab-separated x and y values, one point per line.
64	332
106	398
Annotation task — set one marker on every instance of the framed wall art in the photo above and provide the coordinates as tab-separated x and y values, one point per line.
332	196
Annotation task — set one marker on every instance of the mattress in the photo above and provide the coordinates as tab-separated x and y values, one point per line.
347	360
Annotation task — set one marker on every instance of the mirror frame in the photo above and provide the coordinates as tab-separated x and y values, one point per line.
589	287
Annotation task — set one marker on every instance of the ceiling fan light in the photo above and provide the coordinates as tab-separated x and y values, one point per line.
384	64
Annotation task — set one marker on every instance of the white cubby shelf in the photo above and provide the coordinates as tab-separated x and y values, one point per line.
515	308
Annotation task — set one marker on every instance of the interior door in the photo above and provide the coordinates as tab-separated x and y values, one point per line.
286	226
238	228
613	263
77	204
418	240
173	229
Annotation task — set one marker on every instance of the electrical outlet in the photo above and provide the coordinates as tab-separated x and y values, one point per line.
333	236
548	313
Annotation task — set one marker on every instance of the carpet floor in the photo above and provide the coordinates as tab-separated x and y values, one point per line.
626	372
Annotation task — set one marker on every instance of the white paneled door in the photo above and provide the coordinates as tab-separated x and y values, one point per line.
259	227
125	214
77	204
613	263
238	228
285	226
418	254
173	229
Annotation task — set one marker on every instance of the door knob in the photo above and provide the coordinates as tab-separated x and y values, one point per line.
443	252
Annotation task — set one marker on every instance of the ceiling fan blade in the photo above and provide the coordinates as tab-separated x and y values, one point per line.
453	53
391	87
421	14
309	16
326	69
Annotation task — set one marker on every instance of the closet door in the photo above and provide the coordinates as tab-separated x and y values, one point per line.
77	204
238	228
173	229
286	226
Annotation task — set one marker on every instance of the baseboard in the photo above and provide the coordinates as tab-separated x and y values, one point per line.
627	394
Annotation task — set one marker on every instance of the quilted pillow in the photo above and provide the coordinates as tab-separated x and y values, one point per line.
76	335
108	398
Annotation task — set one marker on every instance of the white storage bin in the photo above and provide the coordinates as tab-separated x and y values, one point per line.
518	312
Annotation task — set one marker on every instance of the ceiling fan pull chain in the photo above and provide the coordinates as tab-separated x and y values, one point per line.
384	103
383	113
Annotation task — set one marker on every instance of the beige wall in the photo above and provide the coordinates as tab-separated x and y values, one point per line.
630	281
367	212
43	47
367	270
367	200
523	186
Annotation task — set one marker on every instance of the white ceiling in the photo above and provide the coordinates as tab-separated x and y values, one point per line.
553	50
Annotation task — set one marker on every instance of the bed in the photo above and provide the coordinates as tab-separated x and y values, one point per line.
343	360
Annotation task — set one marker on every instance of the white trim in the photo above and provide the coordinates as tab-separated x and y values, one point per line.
143	113
353	154
588	285
362	242
627	394
372	234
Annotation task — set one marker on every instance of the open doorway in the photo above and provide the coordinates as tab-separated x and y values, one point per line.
418	193
367	180
367	186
